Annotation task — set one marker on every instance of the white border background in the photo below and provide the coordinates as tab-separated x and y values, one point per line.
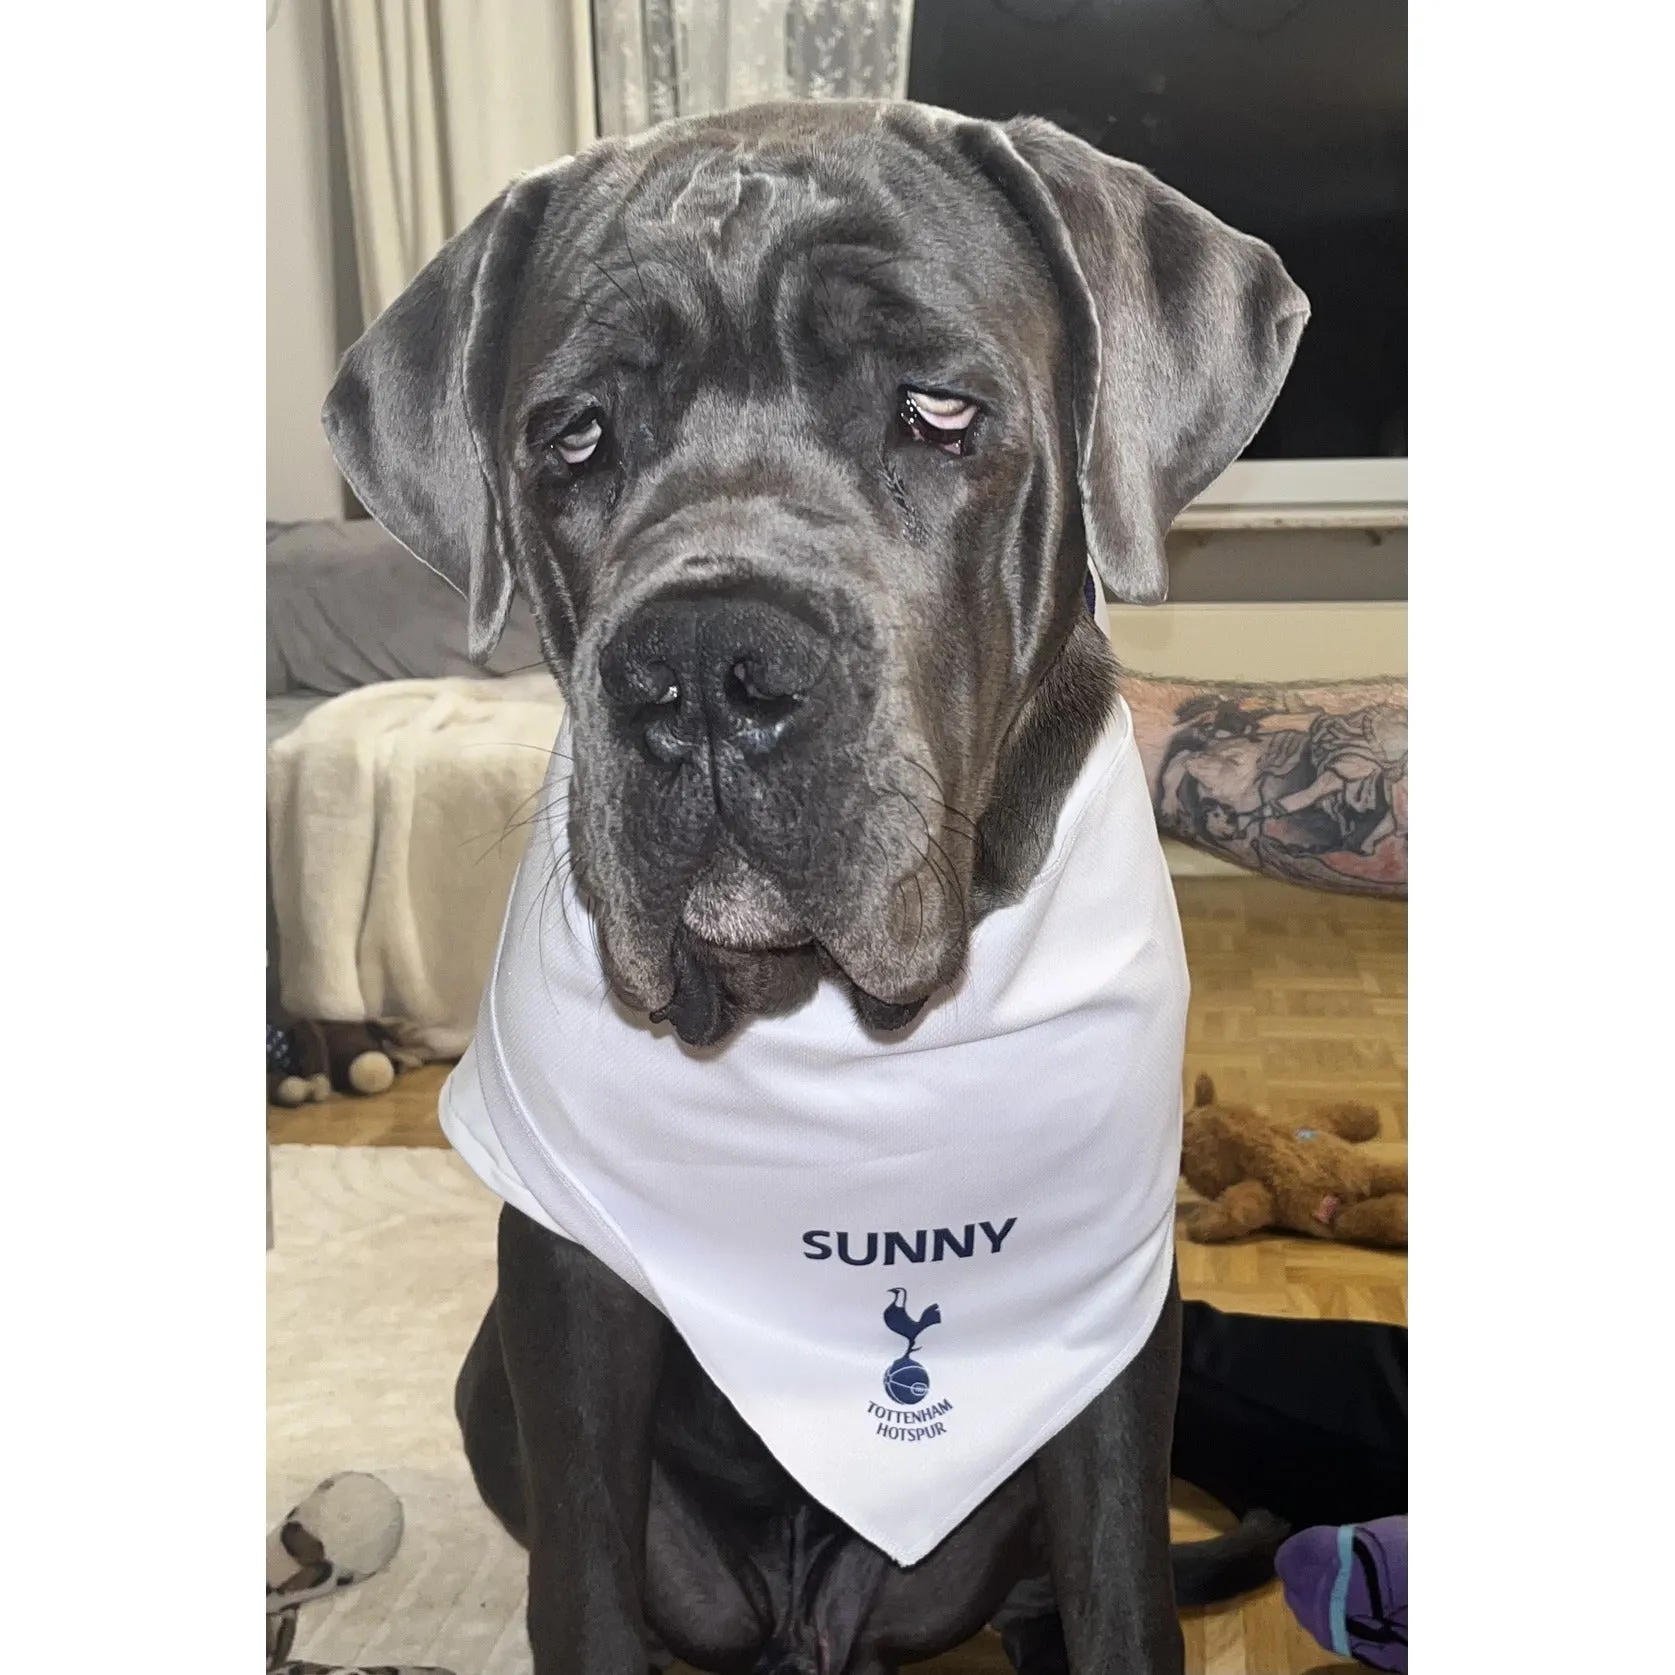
1540	414
1539	418
132	294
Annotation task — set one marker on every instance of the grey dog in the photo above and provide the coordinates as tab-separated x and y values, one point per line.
798	428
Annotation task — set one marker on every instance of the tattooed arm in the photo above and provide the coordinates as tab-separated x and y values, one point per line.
1303	783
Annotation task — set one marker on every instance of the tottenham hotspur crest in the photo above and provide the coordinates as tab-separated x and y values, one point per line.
906	1381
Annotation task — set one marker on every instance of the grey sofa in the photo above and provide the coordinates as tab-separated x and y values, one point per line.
348	605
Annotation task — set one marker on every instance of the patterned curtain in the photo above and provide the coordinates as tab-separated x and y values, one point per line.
655	59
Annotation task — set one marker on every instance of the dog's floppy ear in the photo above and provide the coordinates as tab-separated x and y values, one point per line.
411	417
1182	332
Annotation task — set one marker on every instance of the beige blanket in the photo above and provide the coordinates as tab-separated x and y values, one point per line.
397	815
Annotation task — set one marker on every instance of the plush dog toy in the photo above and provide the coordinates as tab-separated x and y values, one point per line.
347	1530
1307	1179
309	1061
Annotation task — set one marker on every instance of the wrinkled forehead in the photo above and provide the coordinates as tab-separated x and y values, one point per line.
857	242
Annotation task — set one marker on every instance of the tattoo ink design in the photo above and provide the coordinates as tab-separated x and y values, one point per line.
1290	788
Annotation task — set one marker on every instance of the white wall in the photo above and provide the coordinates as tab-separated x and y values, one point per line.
1293	641
302	347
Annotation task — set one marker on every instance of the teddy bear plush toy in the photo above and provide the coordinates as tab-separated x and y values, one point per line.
1307	1178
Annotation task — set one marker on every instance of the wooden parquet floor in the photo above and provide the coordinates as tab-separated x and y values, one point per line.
405	1116
1299	999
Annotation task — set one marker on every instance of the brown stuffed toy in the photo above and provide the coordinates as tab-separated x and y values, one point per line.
327	1058
1306	1179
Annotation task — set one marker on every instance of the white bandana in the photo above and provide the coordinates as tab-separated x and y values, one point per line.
908	1262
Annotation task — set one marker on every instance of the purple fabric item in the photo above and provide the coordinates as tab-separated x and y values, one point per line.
1347	1585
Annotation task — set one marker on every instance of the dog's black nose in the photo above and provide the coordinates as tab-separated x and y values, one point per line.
737	668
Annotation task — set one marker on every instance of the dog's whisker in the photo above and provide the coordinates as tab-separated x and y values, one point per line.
638	307
919	931
941	802
948	883
639	278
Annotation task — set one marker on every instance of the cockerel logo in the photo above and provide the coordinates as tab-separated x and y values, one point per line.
906	1381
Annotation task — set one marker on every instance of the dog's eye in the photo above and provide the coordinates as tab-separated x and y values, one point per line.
578	444
944	421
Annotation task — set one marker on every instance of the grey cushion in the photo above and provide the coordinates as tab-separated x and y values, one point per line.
286	709
349	605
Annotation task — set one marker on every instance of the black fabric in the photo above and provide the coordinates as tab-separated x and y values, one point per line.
1306	1419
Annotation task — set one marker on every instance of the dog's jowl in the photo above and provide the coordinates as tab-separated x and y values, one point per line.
829	1068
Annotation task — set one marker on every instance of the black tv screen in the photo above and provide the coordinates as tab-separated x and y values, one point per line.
1287	118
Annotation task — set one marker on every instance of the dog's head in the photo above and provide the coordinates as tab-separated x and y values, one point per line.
798	427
